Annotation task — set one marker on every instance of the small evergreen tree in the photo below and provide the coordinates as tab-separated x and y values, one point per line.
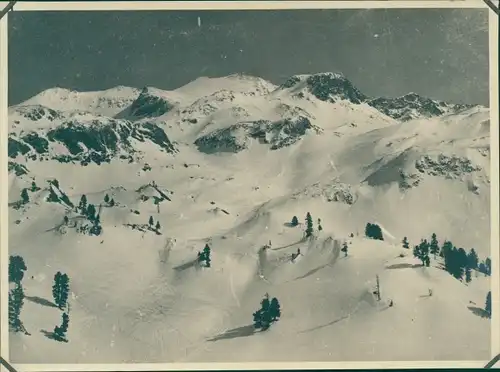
34	187
320	228
60	289
295	221
473	259
275	309
345	249
91	211
487	307
112	203
24	196
59	333
373	231
468	274
206	255
406	244
427	261
16	302
17	267
262	317
83	204
151	221
487	264
66	220
309	225
434	246
158	226
106	198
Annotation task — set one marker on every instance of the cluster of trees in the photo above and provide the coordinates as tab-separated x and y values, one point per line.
60	292
156	227
89	210
373	231
110	202
17	267
204	257
309	224
457	261
269	312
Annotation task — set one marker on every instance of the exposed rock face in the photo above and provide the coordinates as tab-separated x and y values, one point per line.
97	142
332	192
452	167
149	105
412	106
235	138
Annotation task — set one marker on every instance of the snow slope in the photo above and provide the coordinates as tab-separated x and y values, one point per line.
233	160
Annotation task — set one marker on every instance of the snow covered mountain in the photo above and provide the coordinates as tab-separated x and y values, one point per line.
227	162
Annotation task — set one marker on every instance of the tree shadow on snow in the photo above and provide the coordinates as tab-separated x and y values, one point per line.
403	266
311	272
40	301
186	266
49	335
478	311
244	331
325	325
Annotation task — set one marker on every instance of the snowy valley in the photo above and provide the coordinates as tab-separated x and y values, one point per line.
173	213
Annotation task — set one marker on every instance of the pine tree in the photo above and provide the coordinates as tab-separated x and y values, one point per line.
106	198
206	255
487	264
66	220
91	212
25	198
158	226
473	259
434	246
345	248
112	203
405	242
295	221
320	228
487	307
468	274
17	267
60	289
373	231
427	261
34	187
16	302
309	225
151	221
262	318
275	309
59	333
83	204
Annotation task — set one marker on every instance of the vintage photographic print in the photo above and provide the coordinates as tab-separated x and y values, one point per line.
258	185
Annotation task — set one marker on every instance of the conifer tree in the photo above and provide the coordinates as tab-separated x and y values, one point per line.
24	196
262	317
151	221
345	249
473	259
295	221
17	267
487	307
206	255
434	245
91	211
16	302
309	225
112	202
83	204
158	226
468	274
59	333
487	264
60	289
106	198
405	242
33	186
66	220
320	228
275	309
